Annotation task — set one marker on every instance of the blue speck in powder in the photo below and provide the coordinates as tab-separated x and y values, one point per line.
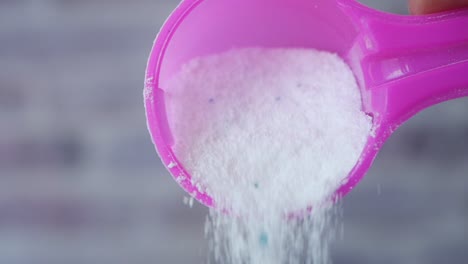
263	239
278	98
211	100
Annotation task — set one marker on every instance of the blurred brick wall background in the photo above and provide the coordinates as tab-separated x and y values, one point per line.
80	181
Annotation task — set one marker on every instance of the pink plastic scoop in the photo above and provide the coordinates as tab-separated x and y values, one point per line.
403	64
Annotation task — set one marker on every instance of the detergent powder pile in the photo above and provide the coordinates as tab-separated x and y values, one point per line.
268	133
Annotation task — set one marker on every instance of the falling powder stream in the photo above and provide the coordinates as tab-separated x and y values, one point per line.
268	133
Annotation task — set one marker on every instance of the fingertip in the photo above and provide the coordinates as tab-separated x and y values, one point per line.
417	7
421	7
411	7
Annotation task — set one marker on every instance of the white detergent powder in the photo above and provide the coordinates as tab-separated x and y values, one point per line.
266	133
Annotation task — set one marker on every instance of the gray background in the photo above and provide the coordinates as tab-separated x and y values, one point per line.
80	181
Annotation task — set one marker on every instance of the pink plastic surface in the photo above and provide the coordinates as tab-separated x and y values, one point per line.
402	63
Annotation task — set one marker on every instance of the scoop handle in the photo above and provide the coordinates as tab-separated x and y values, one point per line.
411	62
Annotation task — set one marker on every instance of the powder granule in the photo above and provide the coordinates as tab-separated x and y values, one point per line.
267	127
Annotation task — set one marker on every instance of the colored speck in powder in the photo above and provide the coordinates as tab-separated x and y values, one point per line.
263	239
299	85
211	100
278	98
256	185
